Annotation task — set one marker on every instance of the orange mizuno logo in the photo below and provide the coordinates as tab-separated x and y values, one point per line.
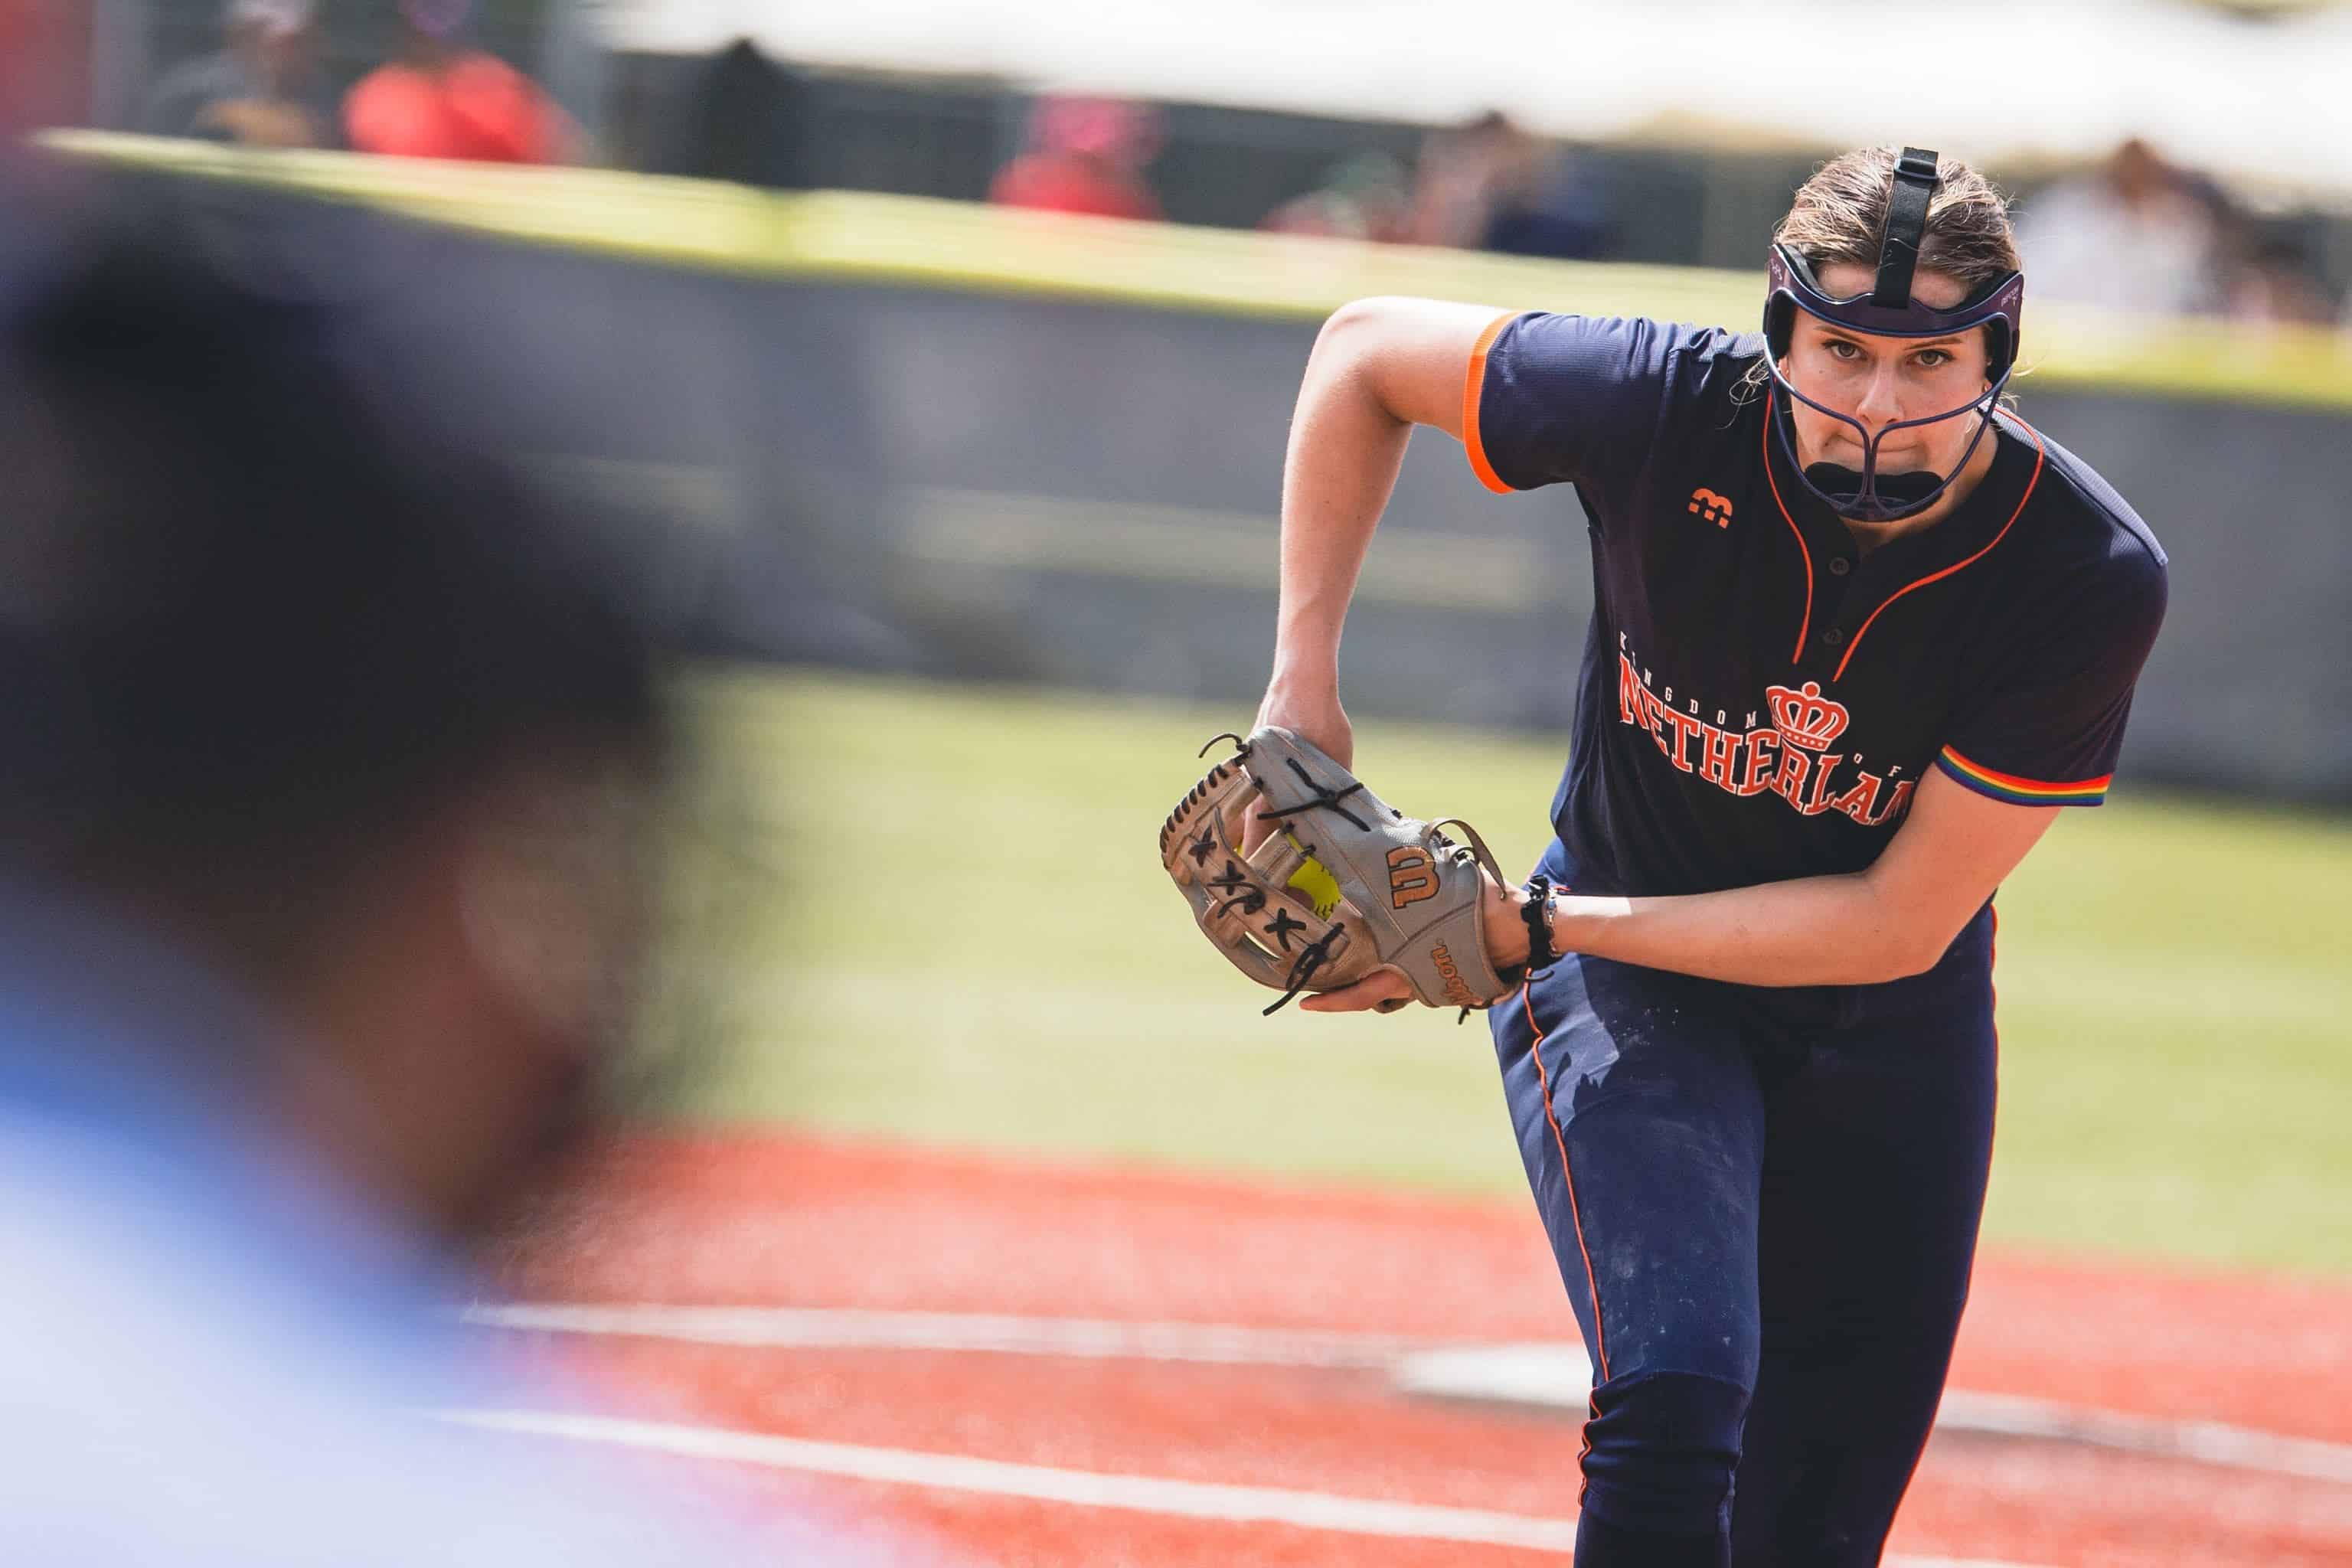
1409	878
1714	508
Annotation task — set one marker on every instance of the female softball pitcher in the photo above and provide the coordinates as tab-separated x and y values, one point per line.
1857	631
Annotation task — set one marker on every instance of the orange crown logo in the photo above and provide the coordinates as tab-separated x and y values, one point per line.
1806	718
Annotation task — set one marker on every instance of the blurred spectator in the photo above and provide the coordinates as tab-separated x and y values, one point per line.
326	777
1467	175
441	100
1564	214
262	88
745	118
2273	281
1085	155
1490	186
1364	197
2135	234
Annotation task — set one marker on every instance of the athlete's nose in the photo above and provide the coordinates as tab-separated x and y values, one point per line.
1881	402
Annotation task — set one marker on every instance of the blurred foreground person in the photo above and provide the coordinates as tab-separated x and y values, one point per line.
42	58
326	779
440	99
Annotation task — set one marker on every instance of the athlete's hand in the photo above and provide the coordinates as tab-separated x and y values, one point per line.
1314	714
1385	990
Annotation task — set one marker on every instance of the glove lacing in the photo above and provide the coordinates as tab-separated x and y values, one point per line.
1313	956
1318	795
1302	969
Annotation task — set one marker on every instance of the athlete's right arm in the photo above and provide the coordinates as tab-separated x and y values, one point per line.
1380	367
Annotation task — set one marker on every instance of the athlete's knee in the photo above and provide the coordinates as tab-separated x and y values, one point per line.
1659	1452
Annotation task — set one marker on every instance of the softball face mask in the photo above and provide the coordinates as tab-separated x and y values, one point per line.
1888	310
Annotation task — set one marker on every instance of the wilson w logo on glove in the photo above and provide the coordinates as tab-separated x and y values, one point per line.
1410	878
1348	885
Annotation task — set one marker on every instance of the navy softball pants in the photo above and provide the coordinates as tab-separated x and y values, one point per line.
1764	1204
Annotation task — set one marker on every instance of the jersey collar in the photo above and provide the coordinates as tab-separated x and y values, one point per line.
1967	528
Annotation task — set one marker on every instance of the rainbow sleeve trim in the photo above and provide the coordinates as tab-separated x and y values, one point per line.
2021	792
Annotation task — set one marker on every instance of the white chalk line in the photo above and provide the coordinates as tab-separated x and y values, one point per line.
2205	1442
1559	1377
1547	1376
826	1327
1083	1488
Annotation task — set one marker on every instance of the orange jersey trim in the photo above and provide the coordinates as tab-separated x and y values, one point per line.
1474	384
1805	626
2041	454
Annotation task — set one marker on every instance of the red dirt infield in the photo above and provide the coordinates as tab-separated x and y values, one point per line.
775	1220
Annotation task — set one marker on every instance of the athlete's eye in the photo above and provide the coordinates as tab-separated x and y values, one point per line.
1932	359
1840	348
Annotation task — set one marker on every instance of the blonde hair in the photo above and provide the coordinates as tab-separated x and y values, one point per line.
1840	215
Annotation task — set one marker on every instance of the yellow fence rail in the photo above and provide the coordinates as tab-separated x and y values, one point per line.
856	237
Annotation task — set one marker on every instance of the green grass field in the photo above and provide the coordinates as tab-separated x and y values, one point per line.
966	937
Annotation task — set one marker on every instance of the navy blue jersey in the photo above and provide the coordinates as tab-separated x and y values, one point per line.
1757	700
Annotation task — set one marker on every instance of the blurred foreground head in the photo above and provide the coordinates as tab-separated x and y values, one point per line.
314	696
40	49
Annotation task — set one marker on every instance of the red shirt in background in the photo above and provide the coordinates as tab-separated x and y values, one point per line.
1072	183
476	106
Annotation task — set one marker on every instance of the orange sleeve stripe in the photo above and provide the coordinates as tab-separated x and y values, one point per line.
1473	385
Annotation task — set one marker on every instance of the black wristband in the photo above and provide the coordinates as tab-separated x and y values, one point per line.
1537	911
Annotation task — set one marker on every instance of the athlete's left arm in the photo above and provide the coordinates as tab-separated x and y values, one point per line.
1895	918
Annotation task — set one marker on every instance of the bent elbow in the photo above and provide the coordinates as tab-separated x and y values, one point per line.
1355	315
1347	329
1916	957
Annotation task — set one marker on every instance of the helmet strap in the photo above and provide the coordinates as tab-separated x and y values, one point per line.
1906	227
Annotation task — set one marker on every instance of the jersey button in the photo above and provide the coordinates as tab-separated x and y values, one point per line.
1840	566
1833	637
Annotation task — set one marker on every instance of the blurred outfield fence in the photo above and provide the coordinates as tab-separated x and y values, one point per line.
899	434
